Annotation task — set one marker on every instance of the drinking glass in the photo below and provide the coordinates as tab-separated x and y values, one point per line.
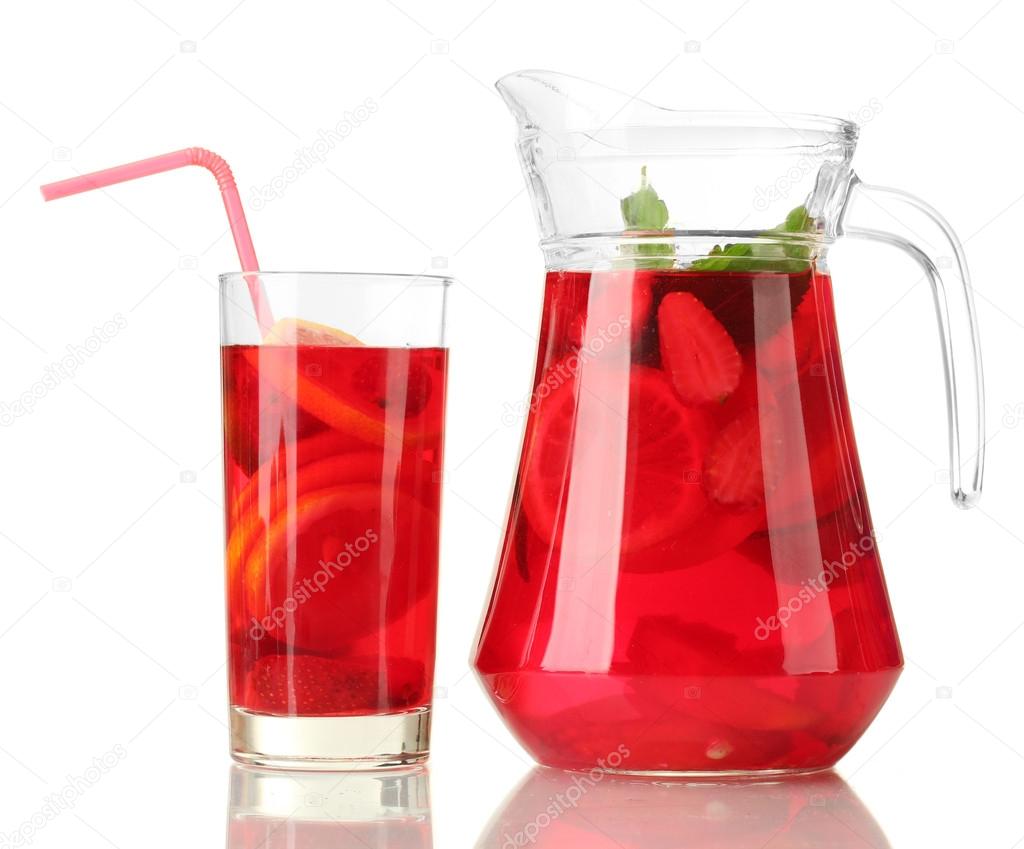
333	436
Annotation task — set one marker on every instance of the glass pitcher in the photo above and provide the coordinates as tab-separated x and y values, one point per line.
689	580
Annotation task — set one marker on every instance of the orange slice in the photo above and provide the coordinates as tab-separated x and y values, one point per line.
340	564
298	331
661	458
307	393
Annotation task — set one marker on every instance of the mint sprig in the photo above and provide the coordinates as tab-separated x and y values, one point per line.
780	256
643	212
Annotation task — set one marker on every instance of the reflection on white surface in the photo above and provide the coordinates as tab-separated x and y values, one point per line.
596	810
277	809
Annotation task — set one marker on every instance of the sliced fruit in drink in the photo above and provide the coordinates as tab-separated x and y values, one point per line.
289	458
337	565
280	372
730	296
272	488
298	331
394	387
661	458
798	464
275	482
733	470
816	447
310	685
696	350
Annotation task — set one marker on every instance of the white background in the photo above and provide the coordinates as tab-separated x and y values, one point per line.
111	624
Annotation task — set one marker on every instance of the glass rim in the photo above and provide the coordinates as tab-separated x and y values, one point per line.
740	120
419	280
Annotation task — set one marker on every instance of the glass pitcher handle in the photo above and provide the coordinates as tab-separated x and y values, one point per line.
897	218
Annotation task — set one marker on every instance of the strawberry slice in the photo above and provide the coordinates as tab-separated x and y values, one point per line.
734	469
309	685
696	350
795	451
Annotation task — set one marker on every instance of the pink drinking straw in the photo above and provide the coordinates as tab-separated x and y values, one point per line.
168	162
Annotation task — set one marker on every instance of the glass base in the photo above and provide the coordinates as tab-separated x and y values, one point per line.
330	742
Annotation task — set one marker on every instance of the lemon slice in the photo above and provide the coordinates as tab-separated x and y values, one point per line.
298	331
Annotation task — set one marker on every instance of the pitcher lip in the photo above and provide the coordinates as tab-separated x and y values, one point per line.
832	128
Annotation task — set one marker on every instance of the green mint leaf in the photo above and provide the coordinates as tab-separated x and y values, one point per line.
782	256
797	221
644	211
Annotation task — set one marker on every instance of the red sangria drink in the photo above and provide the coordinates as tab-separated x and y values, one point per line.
333	455
689	580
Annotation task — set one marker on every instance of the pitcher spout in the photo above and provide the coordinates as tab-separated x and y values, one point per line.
547	102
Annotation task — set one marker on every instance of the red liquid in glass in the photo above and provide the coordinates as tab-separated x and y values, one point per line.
333	458
689	569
